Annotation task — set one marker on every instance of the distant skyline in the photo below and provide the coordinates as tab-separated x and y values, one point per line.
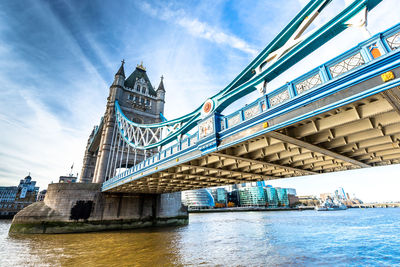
58	59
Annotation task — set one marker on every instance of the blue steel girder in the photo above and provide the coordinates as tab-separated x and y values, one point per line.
373	69
356	82
285	50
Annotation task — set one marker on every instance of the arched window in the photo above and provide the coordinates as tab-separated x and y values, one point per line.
143	90
138	88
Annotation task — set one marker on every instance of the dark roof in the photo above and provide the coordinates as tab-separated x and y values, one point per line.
139	73
161	85
121	70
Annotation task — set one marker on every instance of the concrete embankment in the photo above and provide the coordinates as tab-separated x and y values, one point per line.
72	208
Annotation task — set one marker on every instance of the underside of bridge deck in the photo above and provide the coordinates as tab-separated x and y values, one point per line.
362	134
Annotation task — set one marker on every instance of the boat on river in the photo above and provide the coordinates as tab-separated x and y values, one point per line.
329	205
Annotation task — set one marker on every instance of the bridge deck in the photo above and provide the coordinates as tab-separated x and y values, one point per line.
347	121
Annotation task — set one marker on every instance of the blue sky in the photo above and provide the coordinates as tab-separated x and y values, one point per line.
58	59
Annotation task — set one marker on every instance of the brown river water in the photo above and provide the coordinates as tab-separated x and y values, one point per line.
353	237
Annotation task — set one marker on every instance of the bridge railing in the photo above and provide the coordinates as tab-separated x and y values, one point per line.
365	52
362	54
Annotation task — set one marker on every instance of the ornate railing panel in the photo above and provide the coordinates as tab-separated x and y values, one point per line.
308	83
234	120
394	41
347	64
251	112
279	98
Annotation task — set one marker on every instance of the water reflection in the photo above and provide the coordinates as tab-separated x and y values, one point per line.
124	248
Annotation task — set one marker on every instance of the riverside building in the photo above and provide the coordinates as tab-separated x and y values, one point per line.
243	195
233	198
272	197
42	195
220	197
198	199
15	198
252	196
283	200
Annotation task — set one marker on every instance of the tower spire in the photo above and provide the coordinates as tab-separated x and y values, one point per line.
161	85
120	75
121	70
141	66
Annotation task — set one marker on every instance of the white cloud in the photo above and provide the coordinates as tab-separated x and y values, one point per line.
197	28
35	137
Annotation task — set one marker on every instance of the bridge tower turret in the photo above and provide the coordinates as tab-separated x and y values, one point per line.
120	75
160	96
141	103
104	148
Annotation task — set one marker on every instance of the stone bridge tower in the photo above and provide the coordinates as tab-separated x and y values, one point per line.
139	101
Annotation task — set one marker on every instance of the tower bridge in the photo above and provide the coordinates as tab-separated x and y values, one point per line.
341	115
323	121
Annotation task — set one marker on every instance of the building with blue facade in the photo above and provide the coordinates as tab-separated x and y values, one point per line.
244	195
8	194
252	196
221	195
198	199
272	197
283	200
15	198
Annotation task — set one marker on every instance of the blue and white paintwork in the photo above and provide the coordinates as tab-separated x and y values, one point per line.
198	145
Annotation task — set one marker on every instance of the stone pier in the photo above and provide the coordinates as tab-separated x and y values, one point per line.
79	207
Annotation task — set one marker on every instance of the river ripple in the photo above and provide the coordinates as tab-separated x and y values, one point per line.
288	238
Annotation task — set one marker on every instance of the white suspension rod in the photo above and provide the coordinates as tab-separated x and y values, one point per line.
127	157
112	155
112	145
122	153
116	156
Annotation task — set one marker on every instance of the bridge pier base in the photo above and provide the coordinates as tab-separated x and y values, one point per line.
73	208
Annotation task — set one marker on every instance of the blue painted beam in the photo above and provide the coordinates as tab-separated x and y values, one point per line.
355	76
246	81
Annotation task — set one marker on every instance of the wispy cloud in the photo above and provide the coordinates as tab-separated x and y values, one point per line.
42	126
197	28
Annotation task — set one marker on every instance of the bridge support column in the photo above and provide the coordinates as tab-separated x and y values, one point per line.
72	208
105	146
